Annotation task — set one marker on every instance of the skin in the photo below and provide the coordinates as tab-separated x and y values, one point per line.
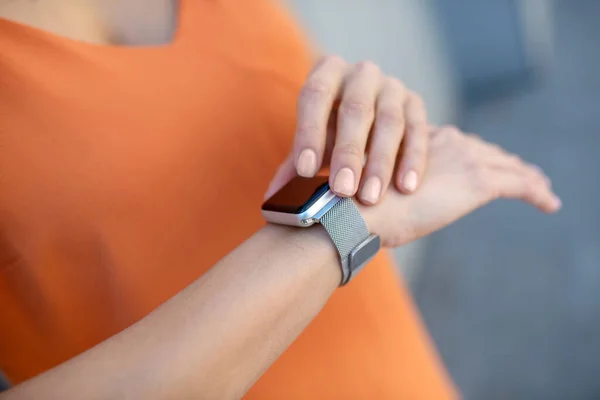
104	22
255	308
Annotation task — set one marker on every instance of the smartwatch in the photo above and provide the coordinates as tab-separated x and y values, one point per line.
304	202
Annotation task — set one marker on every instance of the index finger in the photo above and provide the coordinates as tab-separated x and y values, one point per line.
314	107
413	155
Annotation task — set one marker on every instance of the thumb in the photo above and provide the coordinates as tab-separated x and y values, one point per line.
285	173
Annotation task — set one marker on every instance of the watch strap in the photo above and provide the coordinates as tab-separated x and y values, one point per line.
348	231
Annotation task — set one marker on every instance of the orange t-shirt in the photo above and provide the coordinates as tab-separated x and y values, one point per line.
125	173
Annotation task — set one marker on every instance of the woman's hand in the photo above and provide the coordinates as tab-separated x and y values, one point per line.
463	174
345	109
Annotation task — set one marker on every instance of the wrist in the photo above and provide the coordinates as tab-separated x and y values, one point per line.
311	244
304	202
369	214
389	219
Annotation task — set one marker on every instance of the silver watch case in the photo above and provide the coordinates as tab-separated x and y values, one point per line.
356	260
308	217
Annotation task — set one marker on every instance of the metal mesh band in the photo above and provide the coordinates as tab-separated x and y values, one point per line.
347	229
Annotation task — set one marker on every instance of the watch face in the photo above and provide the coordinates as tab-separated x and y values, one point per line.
298	195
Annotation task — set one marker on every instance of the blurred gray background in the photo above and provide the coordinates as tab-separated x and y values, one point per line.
511	296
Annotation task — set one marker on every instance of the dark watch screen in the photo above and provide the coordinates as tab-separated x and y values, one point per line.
298	195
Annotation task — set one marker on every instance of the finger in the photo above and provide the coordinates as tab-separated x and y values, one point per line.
355	117
528	185
413	155
539	170
330	141
314	106
441	132
537	186
387	134
285	173
540	190
496	156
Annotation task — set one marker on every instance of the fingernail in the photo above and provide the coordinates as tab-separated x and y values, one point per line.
410	181
307	163
344	182
371	190
557	202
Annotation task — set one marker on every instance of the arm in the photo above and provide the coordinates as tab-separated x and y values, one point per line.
216	337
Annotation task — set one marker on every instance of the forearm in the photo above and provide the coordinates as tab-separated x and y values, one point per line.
215	338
